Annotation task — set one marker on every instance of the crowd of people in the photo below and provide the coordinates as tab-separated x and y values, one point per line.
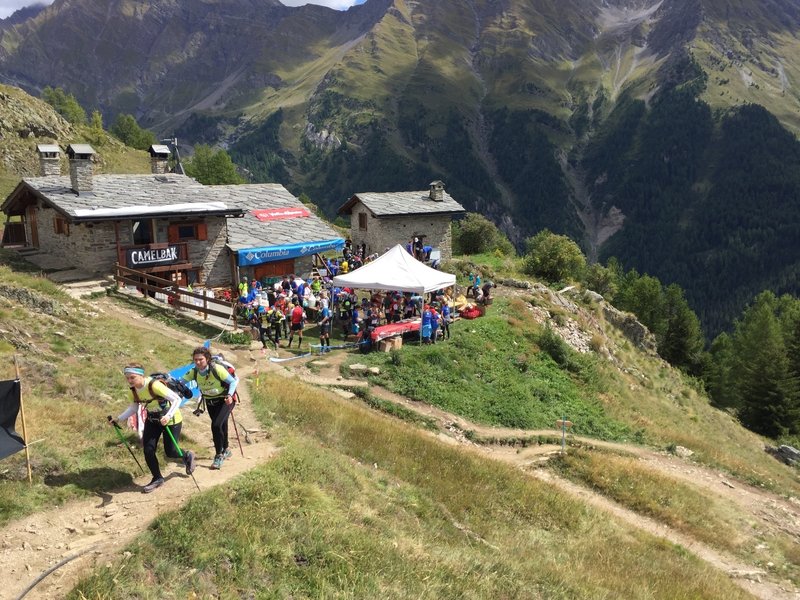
278	312
281	314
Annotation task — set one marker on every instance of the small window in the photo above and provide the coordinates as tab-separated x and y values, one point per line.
60	226
362	221
184	232
142	232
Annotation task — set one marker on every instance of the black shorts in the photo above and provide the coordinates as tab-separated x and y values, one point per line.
324	328
297	327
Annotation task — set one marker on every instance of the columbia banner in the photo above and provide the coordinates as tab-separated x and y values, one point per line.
256	256
10	440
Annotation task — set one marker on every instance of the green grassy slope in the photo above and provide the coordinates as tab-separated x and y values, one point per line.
360	504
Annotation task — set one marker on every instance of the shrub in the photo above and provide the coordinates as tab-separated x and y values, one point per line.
551	343
236	338
553	257
475	234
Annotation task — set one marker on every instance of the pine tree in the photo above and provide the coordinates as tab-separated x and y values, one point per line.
683	341
718	375
212	168
766	384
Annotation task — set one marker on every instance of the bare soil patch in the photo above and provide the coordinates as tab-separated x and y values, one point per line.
86	534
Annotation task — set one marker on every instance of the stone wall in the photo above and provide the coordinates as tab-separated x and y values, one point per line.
92	246
386	232
212	255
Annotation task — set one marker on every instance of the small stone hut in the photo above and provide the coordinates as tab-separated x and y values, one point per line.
382	220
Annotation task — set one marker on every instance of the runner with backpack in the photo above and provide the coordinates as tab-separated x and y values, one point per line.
217	385
298	319
165	414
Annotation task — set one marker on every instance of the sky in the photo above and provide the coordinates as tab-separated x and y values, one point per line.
9	6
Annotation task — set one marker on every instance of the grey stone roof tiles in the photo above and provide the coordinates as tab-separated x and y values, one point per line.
124	191
134	191
407	203
84	149
52	148
249	232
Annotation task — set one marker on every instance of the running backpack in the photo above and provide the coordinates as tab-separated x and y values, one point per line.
220	360
178	386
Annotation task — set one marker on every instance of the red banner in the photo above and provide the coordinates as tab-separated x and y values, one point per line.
279	214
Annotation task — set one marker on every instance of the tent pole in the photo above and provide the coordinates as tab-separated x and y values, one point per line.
24	431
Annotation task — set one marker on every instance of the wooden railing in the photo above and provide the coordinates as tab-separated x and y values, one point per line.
147	282
318	264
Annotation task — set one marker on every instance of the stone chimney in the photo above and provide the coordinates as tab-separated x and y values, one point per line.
437	191
80	167
49	159
159	159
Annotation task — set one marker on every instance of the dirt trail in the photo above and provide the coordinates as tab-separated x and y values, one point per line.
95	531
765	511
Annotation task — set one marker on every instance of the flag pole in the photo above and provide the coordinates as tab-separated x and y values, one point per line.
24	431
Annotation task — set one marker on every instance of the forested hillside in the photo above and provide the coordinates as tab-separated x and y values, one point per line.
662	133
709	198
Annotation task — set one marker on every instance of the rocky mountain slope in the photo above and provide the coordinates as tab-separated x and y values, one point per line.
537	114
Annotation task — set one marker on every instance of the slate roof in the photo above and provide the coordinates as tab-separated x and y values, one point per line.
116	197
51	148
159	149
124	196
384	204
249	232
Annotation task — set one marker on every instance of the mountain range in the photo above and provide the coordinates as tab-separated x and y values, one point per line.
662	133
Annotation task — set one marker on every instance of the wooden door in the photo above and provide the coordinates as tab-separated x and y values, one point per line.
278	268
31	210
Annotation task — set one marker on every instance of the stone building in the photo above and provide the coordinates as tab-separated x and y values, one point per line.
381	220
161	223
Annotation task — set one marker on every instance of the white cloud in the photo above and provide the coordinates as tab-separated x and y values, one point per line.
336	4
9	6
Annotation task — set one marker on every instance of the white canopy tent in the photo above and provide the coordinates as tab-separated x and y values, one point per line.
396	270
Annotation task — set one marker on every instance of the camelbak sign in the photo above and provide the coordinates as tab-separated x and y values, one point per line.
279	214
148	257
256	256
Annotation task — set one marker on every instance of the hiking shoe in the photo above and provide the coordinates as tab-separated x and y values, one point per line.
226	454
153	485
188	460
217	464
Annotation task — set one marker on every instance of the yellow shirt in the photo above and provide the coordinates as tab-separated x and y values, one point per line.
160	394
209	384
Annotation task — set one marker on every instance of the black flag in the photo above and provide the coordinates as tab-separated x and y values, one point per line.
10	440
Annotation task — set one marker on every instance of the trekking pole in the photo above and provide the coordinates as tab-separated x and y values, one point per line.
236	429
185	457
118	429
